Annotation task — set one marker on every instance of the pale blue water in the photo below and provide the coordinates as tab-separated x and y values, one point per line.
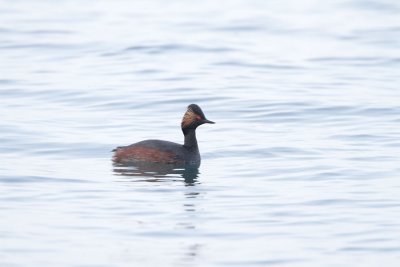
301	169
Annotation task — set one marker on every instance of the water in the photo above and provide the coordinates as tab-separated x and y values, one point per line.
301	169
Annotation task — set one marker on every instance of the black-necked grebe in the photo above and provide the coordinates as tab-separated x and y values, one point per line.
164	151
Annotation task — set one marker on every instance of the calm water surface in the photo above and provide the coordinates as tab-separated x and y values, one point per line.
301	169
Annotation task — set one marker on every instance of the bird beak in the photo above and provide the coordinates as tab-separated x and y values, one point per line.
207	121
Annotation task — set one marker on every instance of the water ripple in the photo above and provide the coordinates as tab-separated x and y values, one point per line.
301	167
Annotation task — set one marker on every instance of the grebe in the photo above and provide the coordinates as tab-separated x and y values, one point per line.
166	152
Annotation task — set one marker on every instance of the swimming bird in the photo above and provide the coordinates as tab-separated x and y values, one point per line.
160	151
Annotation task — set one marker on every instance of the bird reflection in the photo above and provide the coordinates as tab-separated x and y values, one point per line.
156	172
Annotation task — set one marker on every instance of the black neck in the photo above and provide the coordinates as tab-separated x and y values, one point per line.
190	138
